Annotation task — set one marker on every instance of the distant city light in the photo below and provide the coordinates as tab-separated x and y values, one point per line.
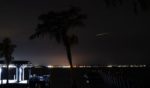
68	66
109	66
63	66
50	66
124	66
95	66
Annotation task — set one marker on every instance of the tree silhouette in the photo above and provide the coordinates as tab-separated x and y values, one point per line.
144	5
6	50
58	26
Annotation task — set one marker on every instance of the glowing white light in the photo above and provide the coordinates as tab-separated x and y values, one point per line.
87	81
10	81
20	72
75	66
10	66
14	81
0	71
109	66
67	66
144	65
24	66
23	82
123	66
50	66
81	66
137	65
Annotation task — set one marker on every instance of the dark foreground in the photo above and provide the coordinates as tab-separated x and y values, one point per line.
96	78
14	86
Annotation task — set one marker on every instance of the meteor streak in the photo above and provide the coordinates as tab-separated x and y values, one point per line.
101	34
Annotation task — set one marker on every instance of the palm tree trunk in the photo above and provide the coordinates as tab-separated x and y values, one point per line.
69	56
68	48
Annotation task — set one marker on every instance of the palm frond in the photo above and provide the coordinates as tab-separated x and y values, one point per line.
58	37
57	26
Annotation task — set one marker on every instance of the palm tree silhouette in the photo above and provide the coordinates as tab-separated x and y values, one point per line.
58	25
6	50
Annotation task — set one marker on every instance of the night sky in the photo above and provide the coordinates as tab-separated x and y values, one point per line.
125	40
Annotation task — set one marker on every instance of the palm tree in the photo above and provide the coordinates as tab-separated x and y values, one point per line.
144	5
58	25
6	50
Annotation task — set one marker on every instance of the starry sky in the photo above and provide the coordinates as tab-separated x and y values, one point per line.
125	37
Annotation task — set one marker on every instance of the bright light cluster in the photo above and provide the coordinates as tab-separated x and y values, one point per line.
10	66
64	66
